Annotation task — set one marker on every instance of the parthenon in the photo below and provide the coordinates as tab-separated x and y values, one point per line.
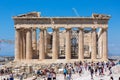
77	38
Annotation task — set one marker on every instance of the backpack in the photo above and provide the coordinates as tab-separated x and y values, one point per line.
65	71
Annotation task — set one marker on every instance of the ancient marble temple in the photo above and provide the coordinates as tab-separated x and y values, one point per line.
61	38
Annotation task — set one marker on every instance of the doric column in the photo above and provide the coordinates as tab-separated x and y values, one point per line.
21	44
100	44
58	42
17	44
105	44
28	44
41	45
68	44
45	38
24	44
81	45
94	43
55	45
34	39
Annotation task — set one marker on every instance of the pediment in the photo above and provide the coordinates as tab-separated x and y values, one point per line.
100	16
31	14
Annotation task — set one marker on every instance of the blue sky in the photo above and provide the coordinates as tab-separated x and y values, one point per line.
9	8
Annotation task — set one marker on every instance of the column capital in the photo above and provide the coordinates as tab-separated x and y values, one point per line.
28	29
55	29
93	28
34	28
105	28
68	29
42	29
80	28
17	29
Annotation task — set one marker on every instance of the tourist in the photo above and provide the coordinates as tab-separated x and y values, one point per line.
80	70
34	78
2	71
105	67
35	72
68	77
89	66
49	75
54	75
21	76
113	64
38	72
111	78
76	68
4	79
91	72
11	76
65	72
119	62
119	78
72	70
99	67
69	74
85	65
110	71
102	70
95	71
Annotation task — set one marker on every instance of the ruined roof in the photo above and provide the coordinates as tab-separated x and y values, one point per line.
34	15
31	14
100	16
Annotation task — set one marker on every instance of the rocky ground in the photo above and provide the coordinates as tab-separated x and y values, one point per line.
85	76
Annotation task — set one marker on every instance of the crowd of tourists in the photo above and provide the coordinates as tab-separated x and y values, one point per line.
7	71
97	69
68	69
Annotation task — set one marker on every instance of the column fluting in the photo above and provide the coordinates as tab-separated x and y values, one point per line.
94	45
17	44
105	45
34	39
68	44
24	44
55	45
41	45
45	38
81	45
28	44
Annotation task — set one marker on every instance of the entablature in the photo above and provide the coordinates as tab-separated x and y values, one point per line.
26	20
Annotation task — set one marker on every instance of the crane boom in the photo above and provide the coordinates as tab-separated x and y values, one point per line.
75	11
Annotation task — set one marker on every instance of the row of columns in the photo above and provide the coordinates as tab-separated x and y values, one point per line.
25	43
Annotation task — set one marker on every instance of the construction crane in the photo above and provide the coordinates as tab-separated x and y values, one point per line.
75	11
